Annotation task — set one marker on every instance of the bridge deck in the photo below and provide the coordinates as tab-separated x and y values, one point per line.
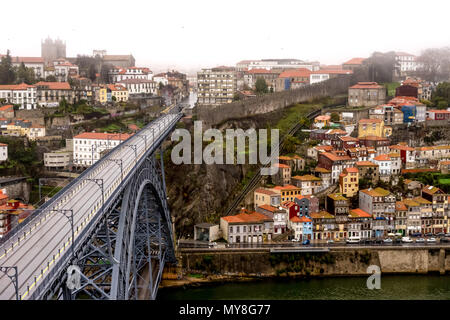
47	237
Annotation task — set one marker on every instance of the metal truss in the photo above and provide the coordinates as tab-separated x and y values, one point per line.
125	256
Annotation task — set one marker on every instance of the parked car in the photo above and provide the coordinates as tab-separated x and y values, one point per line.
447	234
387	240
367	241
445	239
295	240
429	234
431	240
416	234
407	240
440	234
420	240
353	240
330	241
306	242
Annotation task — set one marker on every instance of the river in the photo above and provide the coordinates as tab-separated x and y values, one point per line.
393	287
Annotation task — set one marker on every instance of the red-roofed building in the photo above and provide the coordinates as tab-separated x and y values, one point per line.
270	76
7	111
335	163
49	94
268	197
359	224
325	74
89	146
292	79
438	114
21	94
352	64
349	182
366	94
246	227
283	175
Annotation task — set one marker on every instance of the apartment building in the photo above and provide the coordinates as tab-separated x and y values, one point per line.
22	94
216	86
89	146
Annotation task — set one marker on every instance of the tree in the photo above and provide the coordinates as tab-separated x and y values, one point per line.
334	117
7	74
441	96
24	74
434	64
50	78
92	72
104	72
261	86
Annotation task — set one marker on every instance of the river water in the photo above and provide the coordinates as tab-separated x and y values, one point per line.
393	287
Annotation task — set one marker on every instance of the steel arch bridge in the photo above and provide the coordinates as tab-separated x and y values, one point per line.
117	215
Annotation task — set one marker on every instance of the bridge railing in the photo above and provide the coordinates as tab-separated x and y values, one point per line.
35	215
67	255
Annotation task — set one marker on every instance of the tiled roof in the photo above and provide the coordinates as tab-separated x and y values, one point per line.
246	216
366	85
54	85
382	157
268	207
337	196
431	189
301	219
22	86
370	121
359	213
265	191
321	215
4	108
295	73
377	192
286	187
322	170
400	206
421	200
334	157
102	136
307	177
366	164
356	61
332	71
281	165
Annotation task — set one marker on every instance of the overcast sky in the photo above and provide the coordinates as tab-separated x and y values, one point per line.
205	33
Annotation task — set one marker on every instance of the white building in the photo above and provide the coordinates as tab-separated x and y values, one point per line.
61	70
21	94
161	79
270	64
323	75
88	146
139	86
216	86
118	74
3	152
407	62
384	163
34	63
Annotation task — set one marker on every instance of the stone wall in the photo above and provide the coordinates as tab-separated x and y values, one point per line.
16	188
214	115
338	261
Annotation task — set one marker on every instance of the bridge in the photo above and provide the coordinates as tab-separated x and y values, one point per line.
108	231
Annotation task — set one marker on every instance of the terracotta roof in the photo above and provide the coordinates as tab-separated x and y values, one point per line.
268	207
281	165
401	147
366	164
355	213
351	169
301	219
103	136
356	61
322	170
334	157
421	200
295	73
8	106
400	206
321	214
22	86
284	158
266	191
286	187
377	192
382	157
332	71
246	216
54	85
307	177
431	189
366	85
418	170
26	59
410	203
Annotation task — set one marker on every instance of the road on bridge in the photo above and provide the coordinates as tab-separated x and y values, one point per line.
35	250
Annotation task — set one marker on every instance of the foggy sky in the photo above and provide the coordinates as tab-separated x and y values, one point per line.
193	34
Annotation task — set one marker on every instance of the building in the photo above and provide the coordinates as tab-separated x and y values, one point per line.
118	74
384	163
339	206
366	94
372	127
413	221
287	192
335	162
359	224
22	94
3	152
35	131
325	74
123	61
7	111
281	64
58	160
406	61
292	79
283	175
216	86
49	94
322	121
52	49
349	182
368	170
308	184
266	197
307	205
380	203
119	92
34	63
245	227
438	114
206	232
88	146
401	218
139	87
324	226
352	64
279	216
269	76
437	197
302	227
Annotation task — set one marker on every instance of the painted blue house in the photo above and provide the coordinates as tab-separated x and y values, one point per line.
409	113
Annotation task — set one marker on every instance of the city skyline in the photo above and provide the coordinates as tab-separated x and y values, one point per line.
189	42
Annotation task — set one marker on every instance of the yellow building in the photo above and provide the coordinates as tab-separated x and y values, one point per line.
374	128
102	95
287	192
349	182
119	92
